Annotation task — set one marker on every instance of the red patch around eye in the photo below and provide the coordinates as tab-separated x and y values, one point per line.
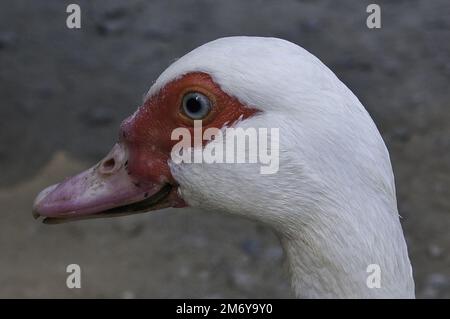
148	132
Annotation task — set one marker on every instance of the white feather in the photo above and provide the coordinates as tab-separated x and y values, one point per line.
333	199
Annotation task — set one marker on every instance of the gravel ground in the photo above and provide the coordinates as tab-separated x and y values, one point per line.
64	92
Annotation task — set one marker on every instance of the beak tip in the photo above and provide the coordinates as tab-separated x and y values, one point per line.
39	200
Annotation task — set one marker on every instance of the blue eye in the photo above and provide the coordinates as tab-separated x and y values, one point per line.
196	105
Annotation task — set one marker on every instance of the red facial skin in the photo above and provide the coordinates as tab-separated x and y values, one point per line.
147	134
137	167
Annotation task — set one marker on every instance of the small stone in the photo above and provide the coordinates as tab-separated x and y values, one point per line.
111	27
435	251
115	13
114	21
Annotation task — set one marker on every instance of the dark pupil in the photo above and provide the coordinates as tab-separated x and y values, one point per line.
193	105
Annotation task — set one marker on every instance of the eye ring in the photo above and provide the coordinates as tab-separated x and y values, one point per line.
195	105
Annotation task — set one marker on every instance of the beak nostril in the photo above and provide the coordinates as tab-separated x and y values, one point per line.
114	161
108	166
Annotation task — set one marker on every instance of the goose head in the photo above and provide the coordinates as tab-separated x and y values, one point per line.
330	197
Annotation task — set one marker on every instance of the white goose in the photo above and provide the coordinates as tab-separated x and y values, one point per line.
333	200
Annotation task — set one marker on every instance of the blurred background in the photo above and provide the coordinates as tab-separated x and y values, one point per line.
64	92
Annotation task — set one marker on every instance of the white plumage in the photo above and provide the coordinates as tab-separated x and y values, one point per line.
333	200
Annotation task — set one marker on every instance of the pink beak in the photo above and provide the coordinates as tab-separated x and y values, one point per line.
106	189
